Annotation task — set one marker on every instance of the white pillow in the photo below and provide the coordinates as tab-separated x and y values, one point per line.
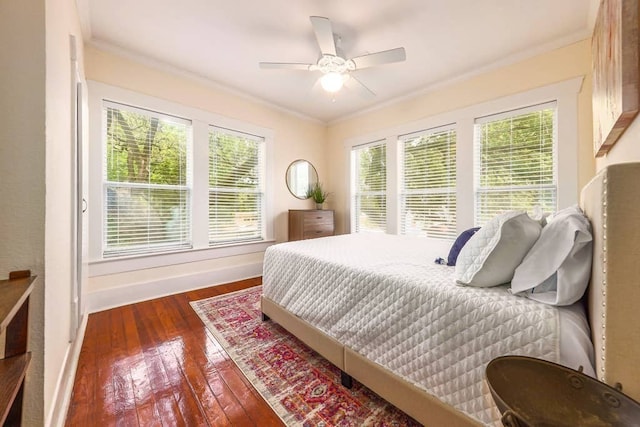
557	269
490	257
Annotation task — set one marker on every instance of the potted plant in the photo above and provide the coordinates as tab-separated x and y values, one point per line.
318	195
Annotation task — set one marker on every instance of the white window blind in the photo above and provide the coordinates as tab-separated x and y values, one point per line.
428	183
236	186
146	181
515	161
369	204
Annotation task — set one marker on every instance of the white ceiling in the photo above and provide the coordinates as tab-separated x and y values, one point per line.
223	41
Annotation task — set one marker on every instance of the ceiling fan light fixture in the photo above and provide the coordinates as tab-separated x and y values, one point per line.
336	70
332	81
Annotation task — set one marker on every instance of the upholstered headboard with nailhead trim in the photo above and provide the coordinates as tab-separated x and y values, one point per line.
612	202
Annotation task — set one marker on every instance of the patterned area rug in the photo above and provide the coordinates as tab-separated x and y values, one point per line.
300	385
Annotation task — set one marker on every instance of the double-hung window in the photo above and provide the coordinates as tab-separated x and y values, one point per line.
515	161
428	183
236	186
369	181
146	181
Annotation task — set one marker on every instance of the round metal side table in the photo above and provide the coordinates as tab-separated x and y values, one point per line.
534	392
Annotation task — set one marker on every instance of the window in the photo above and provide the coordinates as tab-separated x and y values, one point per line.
369	204
236	194
515	161
170	184
519	159
428	183
146	181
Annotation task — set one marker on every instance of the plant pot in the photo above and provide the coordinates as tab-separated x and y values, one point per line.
319	206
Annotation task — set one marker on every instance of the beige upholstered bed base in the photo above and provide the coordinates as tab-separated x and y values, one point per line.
415	402
612	203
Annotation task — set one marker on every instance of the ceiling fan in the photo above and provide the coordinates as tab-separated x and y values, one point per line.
336	70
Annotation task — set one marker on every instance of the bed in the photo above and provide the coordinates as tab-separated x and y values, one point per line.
295	277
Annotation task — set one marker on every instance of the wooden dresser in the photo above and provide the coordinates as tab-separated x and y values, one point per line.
310	223
14	319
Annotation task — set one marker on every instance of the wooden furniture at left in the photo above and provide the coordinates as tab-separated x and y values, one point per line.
14	319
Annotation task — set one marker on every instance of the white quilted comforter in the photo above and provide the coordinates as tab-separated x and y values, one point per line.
383	297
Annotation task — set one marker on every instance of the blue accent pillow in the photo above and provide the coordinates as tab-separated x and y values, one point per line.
462	240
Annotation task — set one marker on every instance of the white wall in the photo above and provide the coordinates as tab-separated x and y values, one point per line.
22	169
61	21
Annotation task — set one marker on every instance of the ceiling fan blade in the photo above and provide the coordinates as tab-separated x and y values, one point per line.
357	86
316	89
385	57
286	65
324	35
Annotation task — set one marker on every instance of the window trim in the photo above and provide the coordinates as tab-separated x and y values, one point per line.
260	189
201	120
402	192
565	93
106	183
477	148
353	184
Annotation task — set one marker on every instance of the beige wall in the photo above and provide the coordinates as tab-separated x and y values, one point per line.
22	170
295	137
551	67
323	145
31	156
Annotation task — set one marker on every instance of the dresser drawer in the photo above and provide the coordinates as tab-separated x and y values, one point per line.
309	224
319	226
317	221
312	234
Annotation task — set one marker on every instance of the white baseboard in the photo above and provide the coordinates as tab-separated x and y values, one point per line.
129	294
64	386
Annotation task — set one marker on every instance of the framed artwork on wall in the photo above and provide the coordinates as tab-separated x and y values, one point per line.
616	95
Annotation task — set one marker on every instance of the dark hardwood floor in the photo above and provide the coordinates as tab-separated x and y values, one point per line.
154	363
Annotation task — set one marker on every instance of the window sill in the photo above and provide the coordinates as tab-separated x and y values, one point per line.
107	266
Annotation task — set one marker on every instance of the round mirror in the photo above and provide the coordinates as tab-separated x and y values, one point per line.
300	176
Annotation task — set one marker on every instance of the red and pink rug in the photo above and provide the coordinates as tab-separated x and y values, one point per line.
300	385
